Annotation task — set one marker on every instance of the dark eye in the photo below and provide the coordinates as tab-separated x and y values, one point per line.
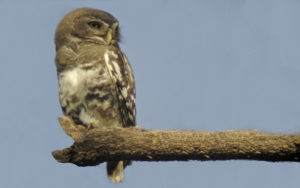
95	25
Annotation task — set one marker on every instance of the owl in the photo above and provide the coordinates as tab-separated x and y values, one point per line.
96	82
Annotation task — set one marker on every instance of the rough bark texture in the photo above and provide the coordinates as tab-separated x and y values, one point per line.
94	146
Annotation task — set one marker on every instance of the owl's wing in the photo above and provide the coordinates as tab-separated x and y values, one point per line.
121	72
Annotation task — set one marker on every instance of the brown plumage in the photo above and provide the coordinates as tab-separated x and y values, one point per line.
96	82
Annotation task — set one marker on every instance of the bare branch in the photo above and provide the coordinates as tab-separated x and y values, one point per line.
95	146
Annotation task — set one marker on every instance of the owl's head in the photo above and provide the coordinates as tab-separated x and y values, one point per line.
86	24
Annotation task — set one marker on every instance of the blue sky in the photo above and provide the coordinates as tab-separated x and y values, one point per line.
202	65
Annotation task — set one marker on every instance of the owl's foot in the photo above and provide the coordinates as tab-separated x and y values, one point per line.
90	126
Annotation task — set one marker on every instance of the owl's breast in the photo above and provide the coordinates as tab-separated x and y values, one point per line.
86	94
73	85
73	81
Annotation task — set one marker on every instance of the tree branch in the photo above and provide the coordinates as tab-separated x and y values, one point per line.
94	146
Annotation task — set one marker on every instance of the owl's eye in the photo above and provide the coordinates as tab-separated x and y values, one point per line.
95	25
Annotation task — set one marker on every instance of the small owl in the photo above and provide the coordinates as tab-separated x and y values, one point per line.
96	82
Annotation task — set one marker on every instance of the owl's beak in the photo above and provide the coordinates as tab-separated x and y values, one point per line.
111	33
108	37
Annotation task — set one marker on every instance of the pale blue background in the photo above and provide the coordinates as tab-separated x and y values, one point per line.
206	65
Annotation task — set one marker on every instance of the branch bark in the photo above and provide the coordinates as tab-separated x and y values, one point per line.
94	146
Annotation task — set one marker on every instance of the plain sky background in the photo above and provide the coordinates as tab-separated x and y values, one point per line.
201	65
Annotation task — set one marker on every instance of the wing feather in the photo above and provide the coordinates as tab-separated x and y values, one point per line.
121	72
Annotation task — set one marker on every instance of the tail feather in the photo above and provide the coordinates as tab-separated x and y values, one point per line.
115	171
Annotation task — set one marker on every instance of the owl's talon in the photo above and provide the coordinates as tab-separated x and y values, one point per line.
90	126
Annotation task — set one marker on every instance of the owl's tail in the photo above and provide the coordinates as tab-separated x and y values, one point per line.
115	171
